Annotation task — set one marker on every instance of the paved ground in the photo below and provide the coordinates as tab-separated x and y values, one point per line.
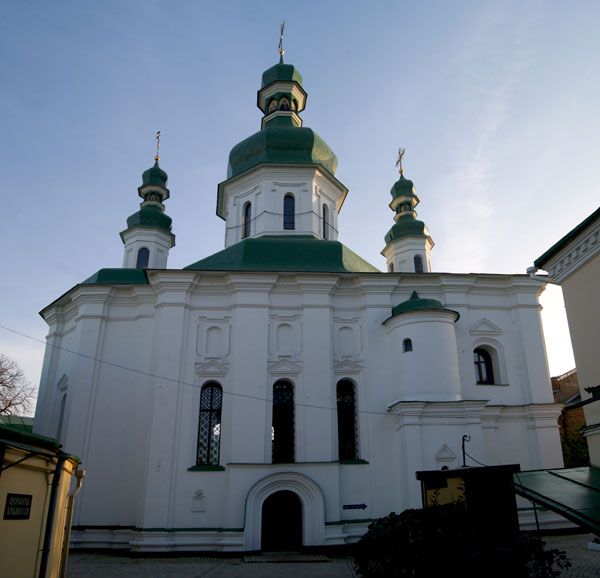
585	564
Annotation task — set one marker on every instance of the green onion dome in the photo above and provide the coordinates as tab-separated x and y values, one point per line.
284	72
280	142
150	216
154	176
407	226
416	303
403	187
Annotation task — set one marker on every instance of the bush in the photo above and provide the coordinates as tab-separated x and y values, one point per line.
440	541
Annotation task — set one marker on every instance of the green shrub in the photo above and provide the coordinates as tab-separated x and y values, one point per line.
440	541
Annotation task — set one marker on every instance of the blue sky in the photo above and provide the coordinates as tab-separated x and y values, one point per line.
496	103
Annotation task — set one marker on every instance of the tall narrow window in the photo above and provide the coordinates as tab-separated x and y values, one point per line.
282	433
418	264
407	345
484	371
143	257
325	222
209	425
247	220
346	414
289	212
61	417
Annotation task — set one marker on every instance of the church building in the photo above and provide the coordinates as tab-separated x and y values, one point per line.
283	392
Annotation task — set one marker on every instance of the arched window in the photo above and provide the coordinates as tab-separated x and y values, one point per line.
346	414
209	425
407	345
391	267
247	220
289	212
418	264
143	257
325	222
484	370
282	432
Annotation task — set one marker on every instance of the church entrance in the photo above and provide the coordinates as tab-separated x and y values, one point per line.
281	522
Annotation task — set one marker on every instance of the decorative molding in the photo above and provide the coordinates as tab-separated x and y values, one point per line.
445	455
288	185
284	367
485	327
212	368
579	251
347	366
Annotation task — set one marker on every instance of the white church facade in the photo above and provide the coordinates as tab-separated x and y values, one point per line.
283	392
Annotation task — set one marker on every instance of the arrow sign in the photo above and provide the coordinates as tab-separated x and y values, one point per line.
354	506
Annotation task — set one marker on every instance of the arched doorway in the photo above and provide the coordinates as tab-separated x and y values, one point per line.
281	522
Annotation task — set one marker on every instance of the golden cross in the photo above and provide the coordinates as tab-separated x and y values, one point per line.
401	152
157	137
281	50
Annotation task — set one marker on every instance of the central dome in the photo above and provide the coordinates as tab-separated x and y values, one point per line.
281	144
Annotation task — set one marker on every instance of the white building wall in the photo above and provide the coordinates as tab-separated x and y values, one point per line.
137	433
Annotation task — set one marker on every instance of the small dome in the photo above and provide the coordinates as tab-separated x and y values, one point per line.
284	72
402	187
154	176
407	226
150	216
281	144
415	303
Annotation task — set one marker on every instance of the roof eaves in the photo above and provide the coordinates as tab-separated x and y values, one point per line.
543	259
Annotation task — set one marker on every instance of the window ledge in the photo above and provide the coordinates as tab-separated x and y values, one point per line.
493	384
352	462
206	469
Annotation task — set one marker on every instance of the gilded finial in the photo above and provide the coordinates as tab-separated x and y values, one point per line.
157	137
401	152
281	50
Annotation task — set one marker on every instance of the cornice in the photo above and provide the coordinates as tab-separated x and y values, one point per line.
575	254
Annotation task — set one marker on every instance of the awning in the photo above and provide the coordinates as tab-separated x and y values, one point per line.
571	492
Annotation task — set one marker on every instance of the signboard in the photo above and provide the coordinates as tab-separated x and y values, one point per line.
354	506
17	507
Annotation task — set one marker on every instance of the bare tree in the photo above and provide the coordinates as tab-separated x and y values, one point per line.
16	393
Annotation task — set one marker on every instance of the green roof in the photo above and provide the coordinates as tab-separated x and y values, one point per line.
406	226
154	176
572	492
416	303
281	145
150	216
13	433
281	71
18	422
541	261
117	277
402	187
286	253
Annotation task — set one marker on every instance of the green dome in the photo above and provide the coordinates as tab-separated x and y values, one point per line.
285	72
407	226
278	143
154	176
150	216
415	303
402	187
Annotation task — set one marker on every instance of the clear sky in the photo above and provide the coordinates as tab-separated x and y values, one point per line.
495	101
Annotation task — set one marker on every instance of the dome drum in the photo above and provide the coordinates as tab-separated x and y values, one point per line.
429	371
275	93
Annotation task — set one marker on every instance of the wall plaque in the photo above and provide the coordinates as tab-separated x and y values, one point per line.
17	507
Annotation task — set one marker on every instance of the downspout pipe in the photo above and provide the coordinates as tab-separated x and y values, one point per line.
62	458
532	272
79	475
